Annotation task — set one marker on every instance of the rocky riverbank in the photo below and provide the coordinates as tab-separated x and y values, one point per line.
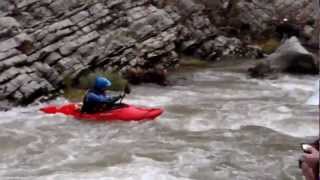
44	41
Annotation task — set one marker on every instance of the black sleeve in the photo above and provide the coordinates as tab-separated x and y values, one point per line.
113	100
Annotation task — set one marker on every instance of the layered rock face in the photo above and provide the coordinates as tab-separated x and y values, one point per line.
198	35
243	16
259	13
42	42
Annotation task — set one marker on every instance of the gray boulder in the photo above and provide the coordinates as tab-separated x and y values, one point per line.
292	57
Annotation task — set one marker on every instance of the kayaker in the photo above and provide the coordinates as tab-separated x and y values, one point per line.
96	99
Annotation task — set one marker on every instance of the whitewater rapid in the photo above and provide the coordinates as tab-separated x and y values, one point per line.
217	125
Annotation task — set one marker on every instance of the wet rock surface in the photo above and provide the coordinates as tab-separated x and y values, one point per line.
290	57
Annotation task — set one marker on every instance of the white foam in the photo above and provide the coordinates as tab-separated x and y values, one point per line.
139	169
314	99
271	104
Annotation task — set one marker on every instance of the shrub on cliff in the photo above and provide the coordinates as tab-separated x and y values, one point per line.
270	46
75	92
193	62
118	83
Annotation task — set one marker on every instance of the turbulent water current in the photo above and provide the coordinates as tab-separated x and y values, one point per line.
218	125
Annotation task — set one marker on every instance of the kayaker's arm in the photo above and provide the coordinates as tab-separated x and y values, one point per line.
103	99
92	97
114	99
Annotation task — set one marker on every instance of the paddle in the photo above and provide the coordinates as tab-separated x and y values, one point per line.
126	90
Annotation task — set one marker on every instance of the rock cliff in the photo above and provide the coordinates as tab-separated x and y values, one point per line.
42	42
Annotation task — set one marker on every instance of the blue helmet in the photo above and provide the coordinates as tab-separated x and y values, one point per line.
101	83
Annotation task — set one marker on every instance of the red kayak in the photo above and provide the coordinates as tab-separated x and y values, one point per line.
124	113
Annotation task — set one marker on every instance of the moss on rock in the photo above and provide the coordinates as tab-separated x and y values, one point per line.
270	45
193	62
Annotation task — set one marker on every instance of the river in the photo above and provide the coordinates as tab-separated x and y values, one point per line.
218	124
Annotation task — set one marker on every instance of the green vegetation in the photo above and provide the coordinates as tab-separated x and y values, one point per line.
76	92
193	62
270	45
87	81
71	93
